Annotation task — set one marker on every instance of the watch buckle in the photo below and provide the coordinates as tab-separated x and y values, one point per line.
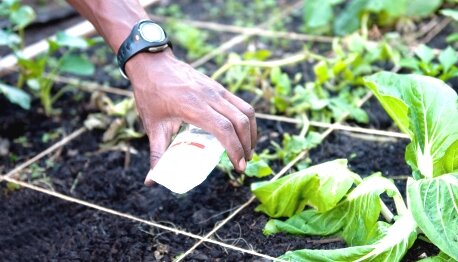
123	74
155	49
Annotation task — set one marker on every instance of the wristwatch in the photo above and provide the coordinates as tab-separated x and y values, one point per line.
146	36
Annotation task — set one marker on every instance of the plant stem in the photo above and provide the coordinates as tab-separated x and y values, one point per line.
364	25
21	33
305	125
386	213
127	157
268	64
45	90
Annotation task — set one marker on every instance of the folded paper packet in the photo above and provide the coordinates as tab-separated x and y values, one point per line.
188	161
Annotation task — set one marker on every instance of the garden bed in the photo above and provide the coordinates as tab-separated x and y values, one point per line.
93	204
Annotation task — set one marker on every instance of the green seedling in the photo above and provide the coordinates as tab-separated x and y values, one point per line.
249	13
51	136
194	40
425	63
453	14
333	94
170	10
38	73
293	145
36	174
256	167
322	16
19	17
15	95
23	141
246	78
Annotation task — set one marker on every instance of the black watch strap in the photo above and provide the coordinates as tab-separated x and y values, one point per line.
135	44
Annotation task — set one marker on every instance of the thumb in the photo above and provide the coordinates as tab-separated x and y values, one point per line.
159	140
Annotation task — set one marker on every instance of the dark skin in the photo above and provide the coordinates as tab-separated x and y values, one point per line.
168	91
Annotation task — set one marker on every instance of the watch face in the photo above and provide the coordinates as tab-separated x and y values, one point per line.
152	32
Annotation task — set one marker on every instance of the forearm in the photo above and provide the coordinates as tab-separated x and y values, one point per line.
113	19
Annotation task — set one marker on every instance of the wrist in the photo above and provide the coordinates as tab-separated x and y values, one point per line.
148	63
113	19
146	37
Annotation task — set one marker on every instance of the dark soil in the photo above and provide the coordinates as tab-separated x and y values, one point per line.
85	173
440	40
245	230
38	227
33	125
378	118
100	178
212	252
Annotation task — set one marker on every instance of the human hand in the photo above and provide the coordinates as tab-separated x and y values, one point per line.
168	92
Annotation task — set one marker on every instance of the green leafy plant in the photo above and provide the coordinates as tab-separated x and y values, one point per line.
15	95
39	72
19	17
194	40
291	146
337	209
424	63
169	10
322	17
338	84
332	92
423	107
256	167
453	14
249	13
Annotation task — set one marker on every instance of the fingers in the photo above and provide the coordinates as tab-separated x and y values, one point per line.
240	123
233	123
223	129
248	110
159	139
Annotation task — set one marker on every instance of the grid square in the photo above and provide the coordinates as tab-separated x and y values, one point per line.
36	226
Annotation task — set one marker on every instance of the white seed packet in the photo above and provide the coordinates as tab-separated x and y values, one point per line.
188	161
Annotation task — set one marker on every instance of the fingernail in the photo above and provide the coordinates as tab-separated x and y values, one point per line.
149	182
242	164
